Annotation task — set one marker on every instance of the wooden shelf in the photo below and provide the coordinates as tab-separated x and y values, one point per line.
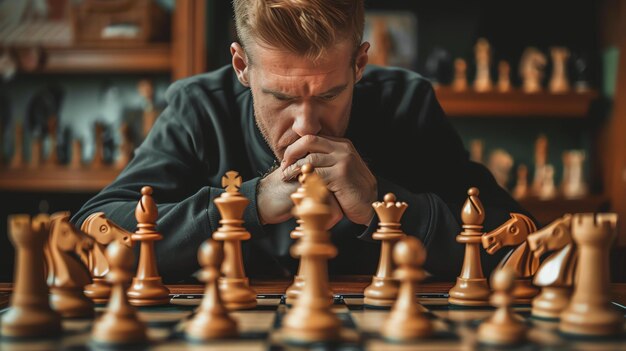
514	104
56	179
546	211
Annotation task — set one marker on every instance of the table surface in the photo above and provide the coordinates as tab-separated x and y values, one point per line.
339	284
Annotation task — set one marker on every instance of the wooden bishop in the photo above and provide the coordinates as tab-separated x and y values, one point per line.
234	286
471	287
147	288
384	288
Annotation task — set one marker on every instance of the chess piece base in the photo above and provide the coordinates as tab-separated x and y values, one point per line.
99	291
71	303
383	292
295	289
30	322
148	292
204	328
405	329
236	293
470	292
501	334
311	326
603	321
119	330
551	302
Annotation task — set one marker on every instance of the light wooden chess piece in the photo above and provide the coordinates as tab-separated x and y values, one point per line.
476	150
97	161
471	287
67	275
482	52
119	325
146	90
234	286
104	232
384	288
125	147
500	164
503	327
548	189
30	314
590	312
53	157
460	75
521	186
18	151
521	260
211	320
311	319
406	320
147	288
531	69
556	274
558	82
541	160
573	185
504	77
77	155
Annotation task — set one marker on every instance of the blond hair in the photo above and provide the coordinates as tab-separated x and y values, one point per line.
303	27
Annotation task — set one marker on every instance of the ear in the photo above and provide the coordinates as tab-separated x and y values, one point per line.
360	60
240	63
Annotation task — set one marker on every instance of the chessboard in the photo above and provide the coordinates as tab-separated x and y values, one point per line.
259	328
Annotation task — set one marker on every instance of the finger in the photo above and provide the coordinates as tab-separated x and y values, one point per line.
335	210
315	159
303	146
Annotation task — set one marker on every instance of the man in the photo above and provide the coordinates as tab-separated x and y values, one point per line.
299	91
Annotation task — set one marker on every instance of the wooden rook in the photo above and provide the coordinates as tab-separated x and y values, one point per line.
556	274
119	325
211	320
406	321
147	288
384	288
558	82
503	328
67	274
311	319
471	287
104	232
30	315
590	312
234	286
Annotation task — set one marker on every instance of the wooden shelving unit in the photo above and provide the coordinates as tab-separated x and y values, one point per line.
515	103
546	211
56	179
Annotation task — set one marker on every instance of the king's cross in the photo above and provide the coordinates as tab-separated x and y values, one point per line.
231	181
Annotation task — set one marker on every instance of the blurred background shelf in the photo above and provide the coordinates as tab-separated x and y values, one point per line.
545	211
57	179
515	103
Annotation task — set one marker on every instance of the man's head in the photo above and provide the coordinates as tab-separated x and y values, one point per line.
300	59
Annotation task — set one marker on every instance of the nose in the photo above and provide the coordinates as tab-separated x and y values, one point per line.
306	122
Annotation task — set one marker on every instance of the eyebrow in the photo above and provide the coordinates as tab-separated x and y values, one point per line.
332	91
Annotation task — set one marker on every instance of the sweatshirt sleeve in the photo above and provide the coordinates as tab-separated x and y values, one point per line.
173	160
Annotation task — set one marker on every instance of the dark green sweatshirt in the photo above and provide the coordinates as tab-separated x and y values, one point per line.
208	128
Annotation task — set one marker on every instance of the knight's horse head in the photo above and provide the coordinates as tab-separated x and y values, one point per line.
512	233
104	231
65	237
552	237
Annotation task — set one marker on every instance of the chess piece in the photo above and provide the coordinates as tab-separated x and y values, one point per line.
384	288
521	260
103	231
476	150
559	82
147	288
503	327
125	147
30	314
531	69
471	287
298	281
53	156
573	185
211	320
581	72
460	75
146	90
119	325
500	164
521	186
482	52
556	274
77	155
504	77
68	275
36	153
18	152
311	318
548	189
590	312
406	320
97	161
234	285
541	160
